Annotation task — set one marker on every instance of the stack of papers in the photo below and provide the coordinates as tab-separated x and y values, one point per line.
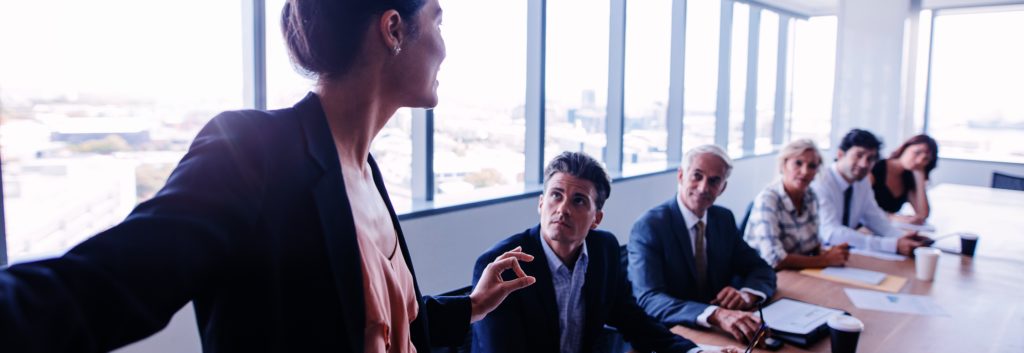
896	303
855	274
878	255
797	317
863	278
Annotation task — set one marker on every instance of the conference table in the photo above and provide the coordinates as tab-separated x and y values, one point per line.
982	295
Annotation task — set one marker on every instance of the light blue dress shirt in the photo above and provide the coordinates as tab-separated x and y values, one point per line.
568	285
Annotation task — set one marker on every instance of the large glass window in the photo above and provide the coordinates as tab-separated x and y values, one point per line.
977	83
287	84
98	107
767	69
648	42
813	66
479	125
700	84
738	75
576	85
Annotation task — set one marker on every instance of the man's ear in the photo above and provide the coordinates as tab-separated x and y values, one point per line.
724	184
392	30
597	219
540	202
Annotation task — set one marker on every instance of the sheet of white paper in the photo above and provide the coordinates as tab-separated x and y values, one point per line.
708	347
855	274
878	255
924	228
897	303
796	317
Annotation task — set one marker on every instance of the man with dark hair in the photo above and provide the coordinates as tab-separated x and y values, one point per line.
847	201
581	283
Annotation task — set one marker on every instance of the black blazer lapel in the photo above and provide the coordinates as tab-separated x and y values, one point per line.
681	234
544	289
336	219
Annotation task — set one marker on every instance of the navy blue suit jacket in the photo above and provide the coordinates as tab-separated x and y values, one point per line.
661	263
253	226
527	321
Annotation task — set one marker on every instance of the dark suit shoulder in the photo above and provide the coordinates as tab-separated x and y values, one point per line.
659	213
722	213
242	123
602	239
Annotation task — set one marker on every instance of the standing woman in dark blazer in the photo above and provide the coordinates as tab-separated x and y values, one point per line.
903	177
275	224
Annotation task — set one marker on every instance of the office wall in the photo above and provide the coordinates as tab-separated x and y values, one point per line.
444	247
869	87
968	172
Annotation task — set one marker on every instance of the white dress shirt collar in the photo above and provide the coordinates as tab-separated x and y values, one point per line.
554	262
689	217
837	178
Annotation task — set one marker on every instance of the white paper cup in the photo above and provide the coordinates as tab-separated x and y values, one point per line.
926	259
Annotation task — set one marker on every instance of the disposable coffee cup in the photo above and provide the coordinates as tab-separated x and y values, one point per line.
845	331
968	242
926	259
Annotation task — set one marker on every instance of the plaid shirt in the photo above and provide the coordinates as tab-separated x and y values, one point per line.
776	229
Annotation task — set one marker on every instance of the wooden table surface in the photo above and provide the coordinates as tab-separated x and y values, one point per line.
984	295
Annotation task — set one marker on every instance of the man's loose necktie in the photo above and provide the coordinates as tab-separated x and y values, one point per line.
847	197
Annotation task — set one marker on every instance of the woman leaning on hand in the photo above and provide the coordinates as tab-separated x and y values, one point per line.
275	224
903	178
783	225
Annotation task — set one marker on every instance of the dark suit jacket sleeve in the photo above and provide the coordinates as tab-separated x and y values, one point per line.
448	317
756	274
502	330
646	271
641	330
125	283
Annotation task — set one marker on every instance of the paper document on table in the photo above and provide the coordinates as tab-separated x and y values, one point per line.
924	228
890	284
709	347
797	317
878	255
897	303
855	274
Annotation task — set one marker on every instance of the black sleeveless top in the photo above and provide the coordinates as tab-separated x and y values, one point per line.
886	200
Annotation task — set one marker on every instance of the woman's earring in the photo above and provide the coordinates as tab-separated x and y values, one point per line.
396	50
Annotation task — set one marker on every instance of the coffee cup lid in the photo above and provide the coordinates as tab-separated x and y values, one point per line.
846	323
924	250
969	236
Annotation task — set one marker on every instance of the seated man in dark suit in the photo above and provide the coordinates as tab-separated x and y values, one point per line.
581	284
686	256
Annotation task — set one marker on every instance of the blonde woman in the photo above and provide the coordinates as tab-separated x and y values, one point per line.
783	224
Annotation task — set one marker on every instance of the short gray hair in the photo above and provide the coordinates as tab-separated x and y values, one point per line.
797	147
692	154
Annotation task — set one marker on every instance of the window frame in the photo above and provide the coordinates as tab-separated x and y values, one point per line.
254	62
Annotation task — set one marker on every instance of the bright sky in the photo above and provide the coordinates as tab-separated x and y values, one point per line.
190	50
168	49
